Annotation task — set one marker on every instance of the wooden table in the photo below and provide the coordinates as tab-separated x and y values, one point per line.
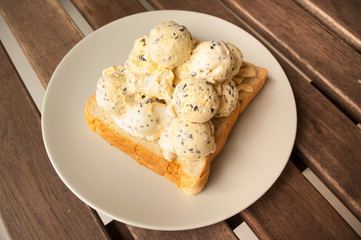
318	44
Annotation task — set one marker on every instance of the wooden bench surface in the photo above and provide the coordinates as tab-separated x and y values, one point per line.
339	17
34	201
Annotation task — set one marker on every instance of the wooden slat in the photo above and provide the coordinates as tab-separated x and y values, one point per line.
328	61
293	209
212	7
43	30
217	231
342	17
34	202
328	142
99	13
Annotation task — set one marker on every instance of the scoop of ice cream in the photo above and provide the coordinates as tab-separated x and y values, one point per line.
167	148
191	140
145	119
111	93
237	59
117	71
146	77
169	44
211	61
195	100
228	96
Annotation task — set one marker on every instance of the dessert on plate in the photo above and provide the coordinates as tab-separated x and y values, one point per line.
174	101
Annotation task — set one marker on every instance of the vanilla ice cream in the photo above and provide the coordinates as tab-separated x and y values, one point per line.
169	44
167	147
228	96
195	100
117	71
211	61
146	77
168	90
145	119
191	140
237	59
112	94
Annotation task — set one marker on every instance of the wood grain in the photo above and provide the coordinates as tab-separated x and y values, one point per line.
217	231
293	209
331	64
212	7
43	30
328	142
34	202
341	17
99	13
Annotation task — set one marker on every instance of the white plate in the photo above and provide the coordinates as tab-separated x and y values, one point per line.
111	182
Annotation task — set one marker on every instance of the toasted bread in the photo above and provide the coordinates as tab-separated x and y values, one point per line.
190	176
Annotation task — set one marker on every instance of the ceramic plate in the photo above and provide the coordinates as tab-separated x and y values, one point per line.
111	182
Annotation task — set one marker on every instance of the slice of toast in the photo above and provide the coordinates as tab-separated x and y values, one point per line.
190	176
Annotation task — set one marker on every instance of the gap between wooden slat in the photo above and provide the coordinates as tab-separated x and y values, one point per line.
146	5
333	200
76	16
22	64
243	232
3	234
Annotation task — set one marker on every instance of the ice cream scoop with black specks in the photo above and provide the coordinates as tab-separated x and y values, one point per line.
145	76
212	61
191	140
112	94
169	44
145	119
228	97
195	100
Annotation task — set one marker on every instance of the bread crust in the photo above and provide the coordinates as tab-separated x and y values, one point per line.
173	170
